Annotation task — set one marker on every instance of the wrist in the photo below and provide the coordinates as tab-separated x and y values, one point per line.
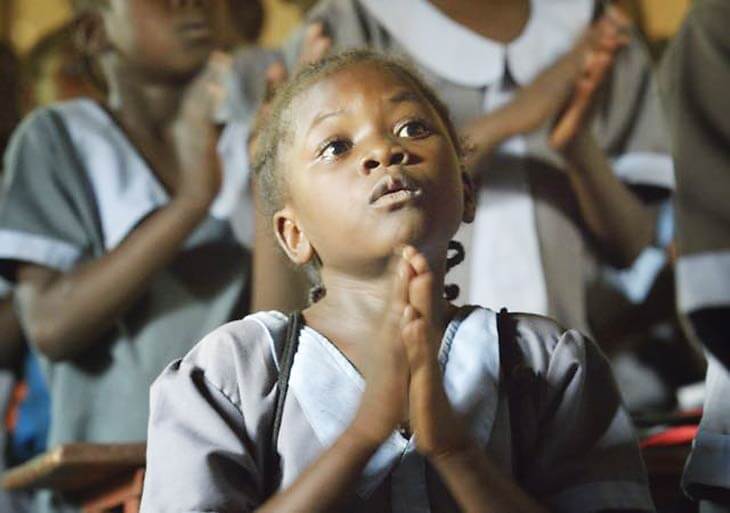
190	207
454	454
363	436
581	150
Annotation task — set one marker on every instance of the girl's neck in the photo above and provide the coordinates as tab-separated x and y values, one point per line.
146	108
353	308
499	20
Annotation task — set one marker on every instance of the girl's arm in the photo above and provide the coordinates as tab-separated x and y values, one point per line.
532	107
551	92
619	221
65	313
323	486
478	486
11	341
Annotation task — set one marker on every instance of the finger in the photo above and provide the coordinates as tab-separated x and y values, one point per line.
403	276
217	95
319	48
276	75
597	67
420	295
409	315
313	31
315	44
569	123
417	260
416	342
619	17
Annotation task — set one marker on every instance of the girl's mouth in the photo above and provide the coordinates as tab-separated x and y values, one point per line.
396	199
393	191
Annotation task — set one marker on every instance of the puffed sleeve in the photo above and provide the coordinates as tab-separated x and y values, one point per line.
582	455
46	214
210	415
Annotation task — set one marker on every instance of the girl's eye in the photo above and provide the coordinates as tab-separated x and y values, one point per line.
334	149
413	130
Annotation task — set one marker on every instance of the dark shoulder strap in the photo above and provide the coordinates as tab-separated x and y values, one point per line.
510	358
286	361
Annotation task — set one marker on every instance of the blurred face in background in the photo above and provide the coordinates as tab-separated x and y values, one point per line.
242	23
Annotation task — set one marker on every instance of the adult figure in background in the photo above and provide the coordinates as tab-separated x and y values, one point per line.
695	75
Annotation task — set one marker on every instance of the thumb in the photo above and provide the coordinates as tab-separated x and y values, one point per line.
276	75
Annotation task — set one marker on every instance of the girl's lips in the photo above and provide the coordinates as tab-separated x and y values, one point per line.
390	184
396	199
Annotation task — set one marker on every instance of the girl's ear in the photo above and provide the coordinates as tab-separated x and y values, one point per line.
470	205
90	36
292	238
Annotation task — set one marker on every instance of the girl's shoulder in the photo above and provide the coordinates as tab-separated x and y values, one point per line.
539	337
50	129
542	338
238	356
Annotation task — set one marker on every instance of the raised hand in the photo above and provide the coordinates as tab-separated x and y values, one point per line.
438	428
596	51
195	133
315	45
384	403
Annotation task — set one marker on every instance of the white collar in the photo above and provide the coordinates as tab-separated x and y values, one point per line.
464	57
328	388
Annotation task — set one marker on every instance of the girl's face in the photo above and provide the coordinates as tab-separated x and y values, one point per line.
369	165
163	37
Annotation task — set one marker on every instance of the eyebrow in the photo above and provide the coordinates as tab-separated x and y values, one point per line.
405	96
325	115
400	97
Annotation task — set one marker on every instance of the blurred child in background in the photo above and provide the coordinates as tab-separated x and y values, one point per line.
114	220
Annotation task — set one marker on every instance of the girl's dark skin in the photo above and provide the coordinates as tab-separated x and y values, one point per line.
164	88
383	265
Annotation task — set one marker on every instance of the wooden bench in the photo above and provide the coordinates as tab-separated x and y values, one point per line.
99	477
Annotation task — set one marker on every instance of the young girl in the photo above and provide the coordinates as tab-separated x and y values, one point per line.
385	396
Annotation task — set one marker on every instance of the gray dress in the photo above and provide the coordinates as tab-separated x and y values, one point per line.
211	420
528	248
695	77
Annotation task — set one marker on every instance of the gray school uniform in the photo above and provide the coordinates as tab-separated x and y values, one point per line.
527	248
211	419
695	76
74	188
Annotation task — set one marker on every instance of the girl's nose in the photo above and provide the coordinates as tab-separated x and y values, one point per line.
386	156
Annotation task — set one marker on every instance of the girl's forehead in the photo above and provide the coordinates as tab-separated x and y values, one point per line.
355	85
